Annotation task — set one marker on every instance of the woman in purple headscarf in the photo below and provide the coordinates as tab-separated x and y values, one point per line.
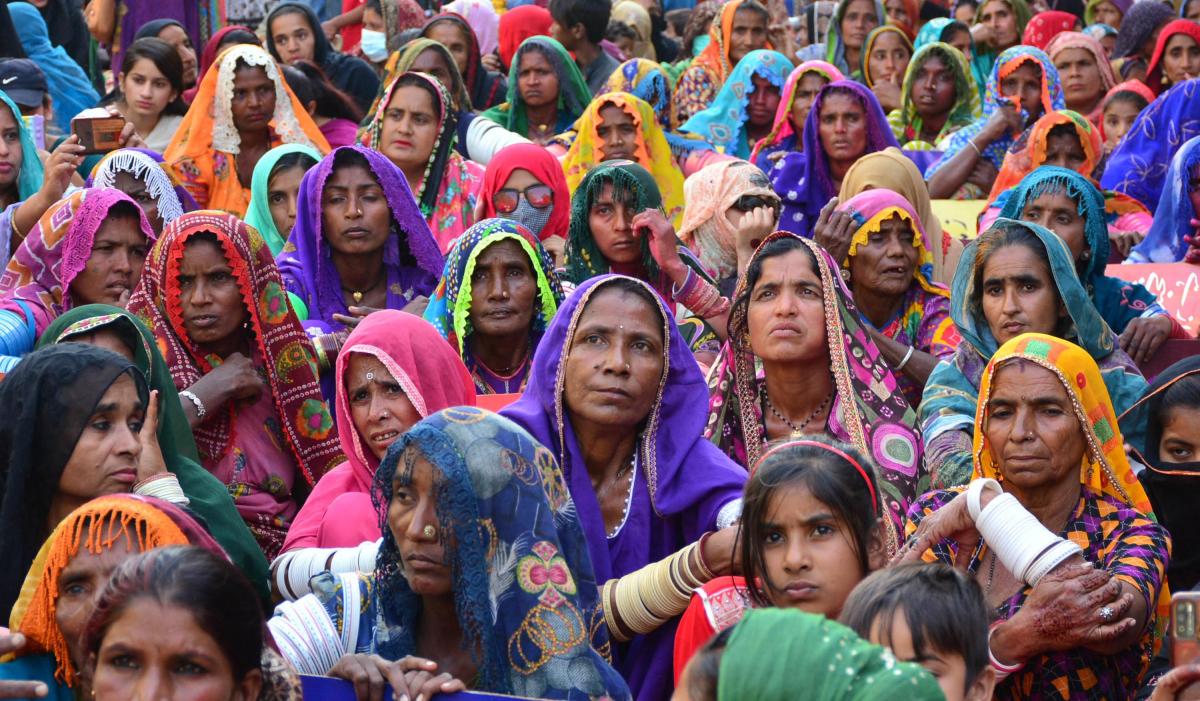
845	123
615	393
359	243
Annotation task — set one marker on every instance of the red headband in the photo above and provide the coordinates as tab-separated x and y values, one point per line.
836	451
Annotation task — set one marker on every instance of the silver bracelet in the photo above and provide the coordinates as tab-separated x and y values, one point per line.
200	411
907	357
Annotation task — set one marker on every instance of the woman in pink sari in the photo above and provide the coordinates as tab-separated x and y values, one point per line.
394	370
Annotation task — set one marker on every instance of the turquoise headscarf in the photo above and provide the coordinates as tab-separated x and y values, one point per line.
29	180
258	215
723	123
70	89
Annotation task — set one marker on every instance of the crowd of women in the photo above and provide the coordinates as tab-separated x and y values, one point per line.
765	430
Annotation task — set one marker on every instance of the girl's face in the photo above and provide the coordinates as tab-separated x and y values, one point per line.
11	152
147	91
811	559
1192	11
1118	118
889	58
1180	440
282	191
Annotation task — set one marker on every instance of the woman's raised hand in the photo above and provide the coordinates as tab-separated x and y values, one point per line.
151	461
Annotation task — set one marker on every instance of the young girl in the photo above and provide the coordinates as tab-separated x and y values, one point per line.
811	532
1121	106
274	191
150	86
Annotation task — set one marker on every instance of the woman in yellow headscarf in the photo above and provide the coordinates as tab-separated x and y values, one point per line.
243	109
630	13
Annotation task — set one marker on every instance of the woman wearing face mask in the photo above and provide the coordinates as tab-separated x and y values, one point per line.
139	173
523	182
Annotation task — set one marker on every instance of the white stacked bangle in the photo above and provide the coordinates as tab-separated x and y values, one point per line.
1027	548
165	486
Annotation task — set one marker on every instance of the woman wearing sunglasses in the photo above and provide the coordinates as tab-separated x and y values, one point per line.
524	183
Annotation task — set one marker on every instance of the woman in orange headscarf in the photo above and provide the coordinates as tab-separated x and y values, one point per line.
242	110
702	80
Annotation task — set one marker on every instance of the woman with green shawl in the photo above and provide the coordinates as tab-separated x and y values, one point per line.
927	115
956	34
773	652
122	332
546	92
24	178
1016	278
274	190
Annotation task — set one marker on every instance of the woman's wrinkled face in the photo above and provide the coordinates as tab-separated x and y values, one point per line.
11	152
1065	151
843	128
762	103
617	133
433	62
857	22
1003	22
413	519
537	82
293	37
156	650
355	216
889	58
1034	436
749	33
1107	13
503	291
1019	294
1119	116
451	36
115	265
138	192
379	407
411	124
105	458
174	35
616	361
786	313
79	587
1180	439
897	12
253	102
1059	213
146	90
806	92
887	263
1080	76
1181	59
933	88
610	219
283	192
1025	85
209	295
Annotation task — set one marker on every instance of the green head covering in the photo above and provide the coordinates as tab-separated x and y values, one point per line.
416	47
631	183
210	499
573	92
774	653
259	213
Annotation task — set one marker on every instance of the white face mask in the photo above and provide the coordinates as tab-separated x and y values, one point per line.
374	45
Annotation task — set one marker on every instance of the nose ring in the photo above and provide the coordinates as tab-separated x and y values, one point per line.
429	531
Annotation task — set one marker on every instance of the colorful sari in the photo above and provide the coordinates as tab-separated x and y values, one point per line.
259	213
536	160
682	485
1138	165
411	256
203	153
803	179
525	591
723	123
338	513
710	194
449	187
449	307
835	46
1079	40
869	44
36	284
573	92
1155	79
653	153
207	496
645	80
952	391
923	321
1005	64
869	412
291	417
1029	150
487	88
1175	212
783	135
1112	523
906	123
699	84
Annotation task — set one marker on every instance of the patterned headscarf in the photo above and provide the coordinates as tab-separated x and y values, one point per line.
869	412
280	342
172	199
40	272
782	127
449	307
645	80
484	21
573	92
1082	40
935	30
870	44
870	209
710	192
652	153
714	59
1172	218
525	590
906	123
1029	151
723	123
1045	26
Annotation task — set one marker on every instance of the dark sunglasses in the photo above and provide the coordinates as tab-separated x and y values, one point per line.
538	196
749	203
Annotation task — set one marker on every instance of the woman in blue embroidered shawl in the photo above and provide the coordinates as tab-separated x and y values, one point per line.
624	409
1129	309
1138	165
1011	257
1172	237
496	266
1024	85
483	570
744	109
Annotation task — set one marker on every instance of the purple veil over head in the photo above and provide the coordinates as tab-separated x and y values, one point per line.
802	179
411	257
681	487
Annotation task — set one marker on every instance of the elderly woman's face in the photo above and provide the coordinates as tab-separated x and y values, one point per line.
885	265
79	587
412	517
1035	438
379	408
786	314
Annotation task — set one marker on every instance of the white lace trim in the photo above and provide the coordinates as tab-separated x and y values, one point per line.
142	167
225	135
